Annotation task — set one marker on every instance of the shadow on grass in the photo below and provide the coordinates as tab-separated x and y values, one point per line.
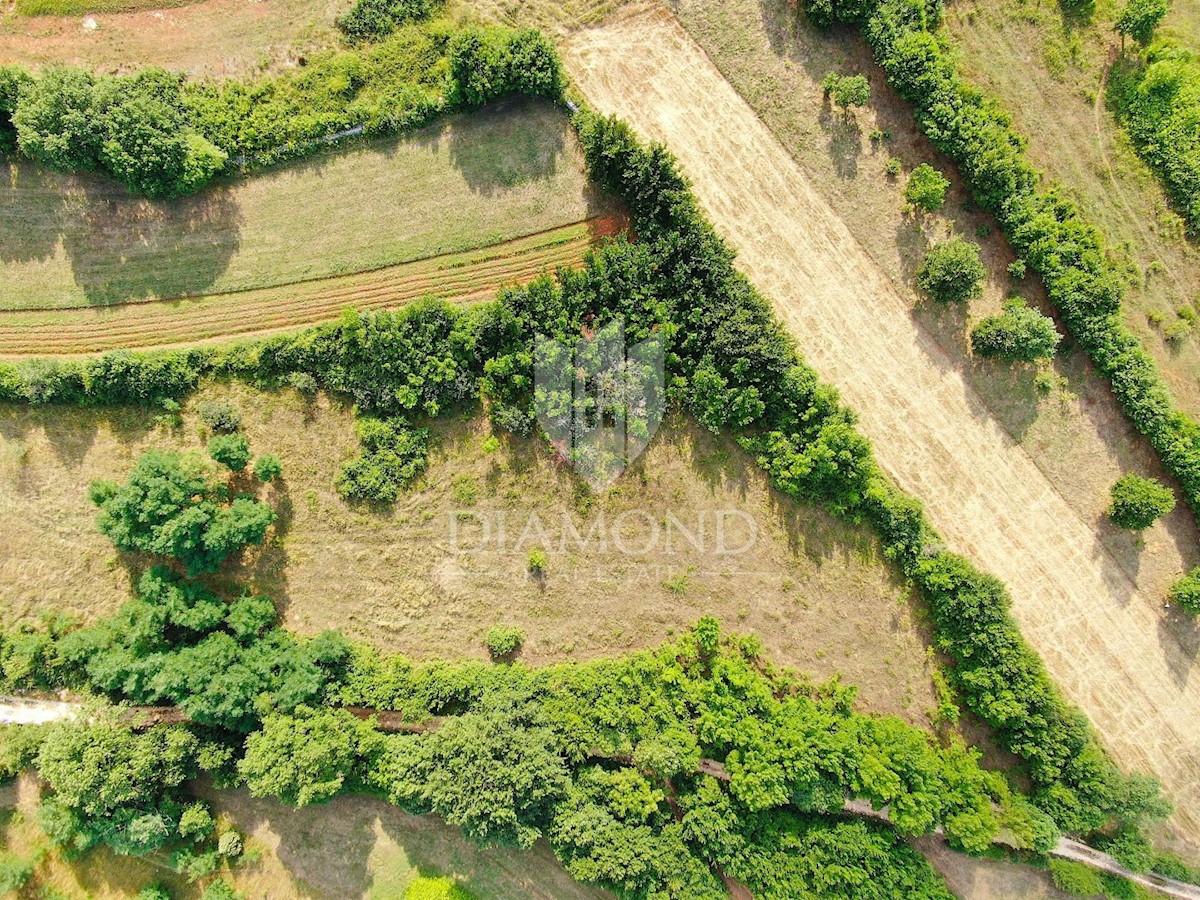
121	247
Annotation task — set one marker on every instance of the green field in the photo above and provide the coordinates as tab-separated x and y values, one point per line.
83	7
498	174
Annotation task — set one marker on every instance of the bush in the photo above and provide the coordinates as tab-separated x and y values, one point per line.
221	417
1185	592
926	188
169	507
231	451
1075	878
267	468
220	890
487	63
952	272
393	455
1138	502
372	19
303	382
894	167
503	641
847	90
229	845
1019	333
537	561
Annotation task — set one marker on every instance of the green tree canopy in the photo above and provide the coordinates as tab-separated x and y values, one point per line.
1019	333
952	272
1138	502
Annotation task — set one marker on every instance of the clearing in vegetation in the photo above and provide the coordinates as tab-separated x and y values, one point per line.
815	590
1100	638
1045	67
469	181
460	277
214	37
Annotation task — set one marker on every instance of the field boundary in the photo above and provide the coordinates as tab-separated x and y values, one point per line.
159	324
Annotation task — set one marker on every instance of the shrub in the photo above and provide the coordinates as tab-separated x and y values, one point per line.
267	468
487	63
231	451
372	19
220	890
303	382
229	845
503	641
1185	592
393	455
169	507
926	188
15	871
1019	333
1138	502
952	272
221	417
894	167
537	561
1075	878
154	892
847	90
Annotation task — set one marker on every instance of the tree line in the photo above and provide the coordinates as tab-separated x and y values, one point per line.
731	363
164	136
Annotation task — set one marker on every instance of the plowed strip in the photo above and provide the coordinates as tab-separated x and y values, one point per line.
459	277
1098	635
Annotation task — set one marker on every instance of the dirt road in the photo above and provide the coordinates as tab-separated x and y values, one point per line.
932	434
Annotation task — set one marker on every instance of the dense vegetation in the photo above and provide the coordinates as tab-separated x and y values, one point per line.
164	136
952	272
1019	333
647	774
730	361
1158	101
1046	229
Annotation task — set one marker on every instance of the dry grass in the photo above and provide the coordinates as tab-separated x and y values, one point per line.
351	847
1047	69
1087	598
472	180
458	277
816	591
216	37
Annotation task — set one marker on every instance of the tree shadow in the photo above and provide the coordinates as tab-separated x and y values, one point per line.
505	145
121	247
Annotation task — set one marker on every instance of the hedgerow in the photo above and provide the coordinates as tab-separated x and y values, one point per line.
1048	231
679	284
164	136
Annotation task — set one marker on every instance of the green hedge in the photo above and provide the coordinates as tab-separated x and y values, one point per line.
165	136
1047	230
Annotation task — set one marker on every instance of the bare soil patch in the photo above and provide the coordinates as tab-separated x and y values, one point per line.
627	569
1104	640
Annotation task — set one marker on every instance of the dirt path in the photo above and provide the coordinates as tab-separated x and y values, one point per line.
473	275
931	432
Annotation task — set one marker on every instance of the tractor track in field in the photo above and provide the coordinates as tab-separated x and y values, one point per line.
1100	637
159	324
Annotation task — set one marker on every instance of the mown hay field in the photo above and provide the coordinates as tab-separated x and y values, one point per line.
504	172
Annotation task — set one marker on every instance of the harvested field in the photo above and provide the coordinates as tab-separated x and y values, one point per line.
626	569
459	277
471	180
1105	642
350	847
214	37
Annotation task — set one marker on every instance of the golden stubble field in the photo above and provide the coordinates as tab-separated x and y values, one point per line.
1101	635
691	529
